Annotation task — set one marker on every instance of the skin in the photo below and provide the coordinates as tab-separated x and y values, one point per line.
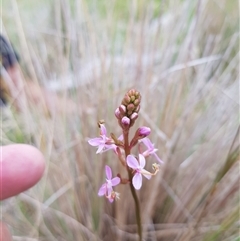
21	167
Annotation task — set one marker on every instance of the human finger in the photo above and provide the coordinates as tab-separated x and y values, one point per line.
21	167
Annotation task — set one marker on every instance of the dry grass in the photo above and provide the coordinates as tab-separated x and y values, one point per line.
183	56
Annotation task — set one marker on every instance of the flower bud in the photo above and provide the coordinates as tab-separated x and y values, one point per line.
133	98
134	116
126	100
141	133
130	107
144	131
129	112
136	102
122	109
125	121
137	109
117	113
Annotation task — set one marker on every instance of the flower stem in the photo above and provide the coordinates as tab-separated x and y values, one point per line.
133	191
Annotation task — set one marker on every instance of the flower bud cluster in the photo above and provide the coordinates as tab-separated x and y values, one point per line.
127	112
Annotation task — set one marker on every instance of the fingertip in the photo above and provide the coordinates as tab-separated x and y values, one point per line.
21	167
5	234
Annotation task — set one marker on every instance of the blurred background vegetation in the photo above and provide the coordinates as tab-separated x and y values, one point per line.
78	58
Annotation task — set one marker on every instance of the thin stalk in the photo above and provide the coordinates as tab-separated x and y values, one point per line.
133	191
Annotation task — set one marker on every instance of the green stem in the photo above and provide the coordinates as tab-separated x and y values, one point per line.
133	191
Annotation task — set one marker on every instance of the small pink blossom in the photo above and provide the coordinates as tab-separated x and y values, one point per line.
106	189
150	149
103	142
138	167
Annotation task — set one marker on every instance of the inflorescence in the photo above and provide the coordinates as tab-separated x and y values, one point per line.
126	114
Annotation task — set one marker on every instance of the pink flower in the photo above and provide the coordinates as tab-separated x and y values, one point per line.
138	168
106	189
103	142
150	149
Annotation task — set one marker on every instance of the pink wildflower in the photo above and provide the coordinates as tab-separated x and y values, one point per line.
103	142
106	189
138	167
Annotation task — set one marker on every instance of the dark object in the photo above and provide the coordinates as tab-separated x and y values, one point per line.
8	55
8	58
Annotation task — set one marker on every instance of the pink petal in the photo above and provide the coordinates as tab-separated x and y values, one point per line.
159	160
102	190
108	172
95	141
109	147
100	148
132	162
120	138
137	181
147	176
109	190
147	143
146	153
115	181
103	130
142	161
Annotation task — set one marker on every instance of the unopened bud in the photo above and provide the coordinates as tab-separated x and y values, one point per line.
129	112
117	113
133	98
126	100
136	102
137	109
134	116
141	133
125	121
130	107
144	131
122	109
